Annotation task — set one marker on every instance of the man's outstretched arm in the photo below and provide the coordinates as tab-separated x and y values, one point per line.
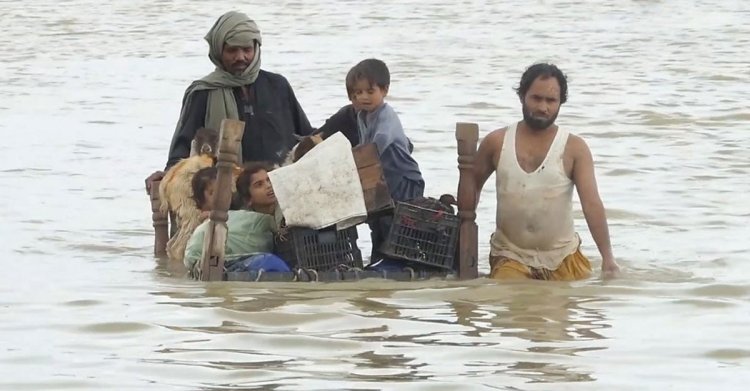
591	203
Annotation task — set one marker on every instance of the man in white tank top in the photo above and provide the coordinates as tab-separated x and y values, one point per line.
537	164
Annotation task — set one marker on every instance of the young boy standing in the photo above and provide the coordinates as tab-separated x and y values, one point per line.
367	84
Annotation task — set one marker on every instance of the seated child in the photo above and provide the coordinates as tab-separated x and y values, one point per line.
249	231
367	84
203	185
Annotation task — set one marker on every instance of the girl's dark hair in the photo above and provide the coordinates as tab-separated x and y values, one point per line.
373	70
544	71
200	182
242	196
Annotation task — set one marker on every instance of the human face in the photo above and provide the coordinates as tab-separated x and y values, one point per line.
366	96
541	103
236	59
208	195
353	99
261	191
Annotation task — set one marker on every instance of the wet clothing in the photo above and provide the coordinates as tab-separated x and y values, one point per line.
573	267
273	118
248	233
266	262
535	223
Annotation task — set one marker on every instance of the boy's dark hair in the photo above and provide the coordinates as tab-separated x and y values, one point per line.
544	71
200	182
373	70
242	196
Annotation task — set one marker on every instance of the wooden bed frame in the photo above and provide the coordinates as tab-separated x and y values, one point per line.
373	185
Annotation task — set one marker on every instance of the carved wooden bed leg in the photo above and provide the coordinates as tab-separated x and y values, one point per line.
467	136
212	259
160	222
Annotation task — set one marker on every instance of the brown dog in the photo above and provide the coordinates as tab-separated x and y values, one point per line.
303	147
175	190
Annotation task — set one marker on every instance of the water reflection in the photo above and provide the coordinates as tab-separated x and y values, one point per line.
547	372
540	312
666	123
553	319
168	268
496	323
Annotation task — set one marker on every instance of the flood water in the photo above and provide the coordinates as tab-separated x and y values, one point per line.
89	97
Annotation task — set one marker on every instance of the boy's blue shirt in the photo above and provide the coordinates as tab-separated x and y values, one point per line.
383	127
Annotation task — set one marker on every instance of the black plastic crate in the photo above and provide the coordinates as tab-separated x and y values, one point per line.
423	235
322	250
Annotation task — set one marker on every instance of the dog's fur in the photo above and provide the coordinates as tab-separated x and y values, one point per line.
301	148
175	190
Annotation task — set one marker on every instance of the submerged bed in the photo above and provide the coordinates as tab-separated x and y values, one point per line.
377	201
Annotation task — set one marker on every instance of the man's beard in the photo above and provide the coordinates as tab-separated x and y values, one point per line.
537	123
238	68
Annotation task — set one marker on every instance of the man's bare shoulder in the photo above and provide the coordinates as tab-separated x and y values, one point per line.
500	131
489	149
496	135
576	145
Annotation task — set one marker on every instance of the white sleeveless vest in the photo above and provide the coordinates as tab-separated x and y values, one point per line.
534	215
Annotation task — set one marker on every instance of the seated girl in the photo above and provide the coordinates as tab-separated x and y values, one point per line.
250	230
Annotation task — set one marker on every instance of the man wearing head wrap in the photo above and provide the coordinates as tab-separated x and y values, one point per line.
239	89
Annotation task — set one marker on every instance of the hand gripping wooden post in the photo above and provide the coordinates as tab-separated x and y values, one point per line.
212	259
467	136
160	222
